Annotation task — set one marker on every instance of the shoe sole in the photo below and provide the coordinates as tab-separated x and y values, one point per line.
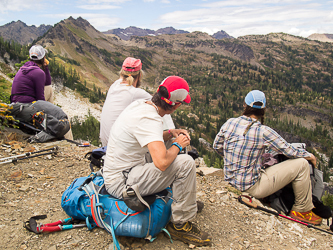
315	223
191	242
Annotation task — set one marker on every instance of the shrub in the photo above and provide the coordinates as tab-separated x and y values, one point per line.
328	200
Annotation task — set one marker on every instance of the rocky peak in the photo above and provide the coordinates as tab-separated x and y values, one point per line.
22	33
221	34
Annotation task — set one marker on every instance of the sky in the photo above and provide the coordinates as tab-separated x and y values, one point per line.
236	17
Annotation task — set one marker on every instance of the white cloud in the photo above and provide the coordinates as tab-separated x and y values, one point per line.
252	17
103	23
106	1
98	7
165	1
232	3
149	1
18	5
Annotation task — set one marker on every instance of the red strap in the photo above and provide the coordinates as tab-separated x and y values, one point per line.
124	212
92	210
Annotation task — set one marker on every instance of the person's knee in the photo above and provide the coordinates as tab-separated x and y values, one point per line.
304	164
189	160
186	162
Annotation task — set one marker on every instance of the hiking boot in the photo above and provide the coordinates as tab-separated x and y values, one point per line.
307	217
200	206
188	233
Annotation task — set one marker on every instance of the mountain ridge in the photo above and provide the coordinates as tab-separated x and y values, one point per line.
22	33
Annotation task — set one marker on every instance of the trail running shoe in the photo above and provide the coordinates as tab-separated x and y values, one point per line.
188	233
307	217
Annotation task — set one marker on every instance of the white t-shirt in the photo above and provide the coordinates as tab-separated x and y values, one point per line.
119	96
138	125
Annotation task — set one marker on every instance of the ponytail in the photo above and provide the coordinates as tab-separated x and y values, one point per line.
130	77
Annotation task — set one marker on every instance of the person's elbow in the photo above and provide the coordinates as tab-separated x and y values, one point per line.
161	165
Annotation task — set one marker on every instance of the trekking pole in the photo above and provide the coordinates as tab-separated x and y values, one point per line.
59	225
27	157
85	144
253	205
28	154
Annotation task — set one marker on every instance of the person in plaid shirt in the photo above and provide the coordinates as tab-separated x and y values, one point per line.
242	142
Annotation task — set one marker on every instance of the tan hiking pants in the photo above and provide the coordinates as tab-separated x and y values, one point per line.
295	171
48	93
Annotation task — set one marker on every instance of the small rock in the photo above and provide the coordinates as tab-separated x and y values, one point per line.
29	149
31	175
54	247
191	246
201	193
23	247
24	189
212	200
221	191
16	146
42	171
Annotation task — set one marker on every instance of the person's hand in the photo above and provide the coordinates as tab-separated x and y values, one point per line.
177	132
46	62
183	140
312	159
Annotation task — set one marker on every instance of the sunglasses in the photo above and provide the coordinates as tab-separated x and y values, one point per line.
178	102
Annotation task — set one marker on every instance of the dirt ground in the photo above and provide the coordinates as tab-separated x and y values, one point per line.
35	186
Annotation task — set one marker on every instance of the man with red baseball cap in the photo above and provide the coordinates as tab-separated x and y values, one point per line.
139	129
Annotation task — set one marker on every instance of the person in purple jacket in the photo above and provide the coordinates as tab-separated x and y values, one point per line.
30	81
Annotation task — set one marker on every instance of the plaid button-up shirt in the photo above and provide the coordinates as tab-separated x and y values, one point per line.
242	147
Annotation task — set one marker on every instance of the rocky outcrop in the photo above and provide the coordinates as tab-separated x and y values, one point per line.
322	37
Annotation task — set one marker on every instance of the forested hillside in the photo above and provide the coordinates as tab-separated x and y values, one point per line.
295	73
60	68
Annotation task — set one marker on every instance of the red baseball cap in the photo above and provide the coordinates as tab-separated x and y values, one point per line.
178	90
131	64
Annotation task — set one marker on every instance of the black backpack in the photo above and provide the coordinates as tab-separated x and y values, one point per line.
283	200
96	157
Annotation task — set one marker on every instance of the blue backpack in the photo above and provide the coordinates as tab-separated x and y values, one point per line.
86	199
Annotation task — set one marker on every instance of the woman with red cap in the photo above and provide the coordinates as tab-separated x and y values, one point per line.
139	129
121	93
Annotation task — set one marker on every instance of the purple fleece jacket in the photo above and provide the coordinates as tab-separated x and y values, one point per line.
29	83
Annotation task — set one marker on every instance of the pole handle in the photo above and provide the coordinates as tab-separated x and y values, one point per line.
247	202
50	229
